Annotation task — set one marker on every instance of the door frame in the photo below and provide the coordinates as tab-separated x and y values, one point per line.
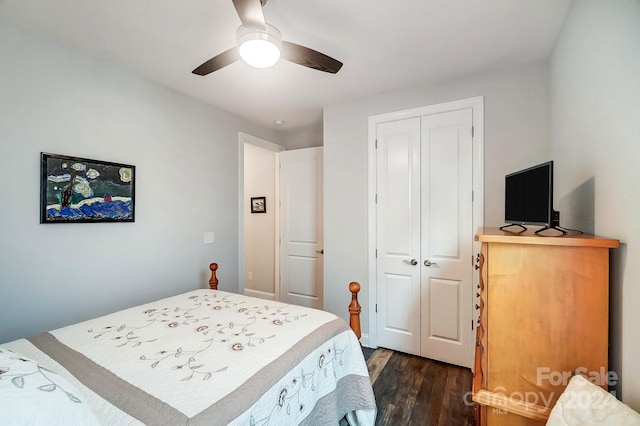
244	138
477	106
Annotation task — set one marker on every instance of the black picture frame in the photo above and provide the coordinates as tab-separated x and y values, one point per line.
258	204
82	190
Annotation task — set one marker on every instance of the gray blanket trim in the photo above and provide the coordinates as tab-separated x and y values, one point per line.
151	410
236	402
123	395
351	393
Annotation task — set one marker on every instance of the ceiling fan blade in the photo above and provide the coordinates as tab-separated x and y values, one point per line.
219	61
250	13
309	58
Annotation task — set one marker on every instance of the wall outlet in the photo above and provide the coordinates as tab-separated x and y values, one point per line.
556	218
209	237
250	276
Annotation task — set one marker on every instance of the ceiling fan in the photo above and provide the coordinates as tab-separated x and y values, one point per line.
255	31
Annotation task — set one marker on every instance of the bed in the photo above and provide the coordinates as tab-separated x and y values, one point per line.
203	357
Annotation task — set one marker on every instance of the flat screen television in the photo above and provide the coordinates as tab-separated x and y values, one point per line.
529	196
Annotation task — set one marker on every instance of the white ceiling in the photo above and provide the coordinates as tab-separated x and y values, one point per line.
385	45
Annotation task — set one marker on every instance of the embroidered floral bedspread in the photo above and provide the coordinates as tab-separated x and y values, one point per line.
214	357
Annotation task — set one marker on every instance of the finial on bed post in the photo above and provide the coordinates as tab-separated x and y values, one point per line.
213	281
354	309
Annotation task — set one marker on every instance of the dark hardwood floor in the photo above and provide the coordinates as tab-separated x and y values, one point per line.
411	390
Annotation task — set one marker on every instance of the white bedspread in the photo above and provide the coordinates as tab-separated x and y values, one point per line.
212	357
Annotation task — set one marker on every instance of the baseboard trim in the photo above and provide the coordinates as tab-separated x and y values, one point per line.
364	340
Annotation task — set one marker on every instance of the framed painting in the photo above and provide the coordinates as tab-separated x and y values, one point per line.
258	204
80	190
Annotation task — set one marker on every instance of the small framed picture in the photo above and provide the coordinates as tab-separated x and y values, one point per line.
258	204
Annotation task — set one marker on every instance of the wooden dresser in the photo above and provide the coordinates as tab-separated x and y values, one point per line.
543	315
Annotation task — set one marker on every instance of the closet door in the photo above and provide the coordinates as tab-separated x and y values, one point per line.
425	236
447	237
398	233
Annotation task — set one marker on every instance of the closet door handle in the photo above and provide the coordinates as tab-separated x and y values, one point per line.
413	262
427	263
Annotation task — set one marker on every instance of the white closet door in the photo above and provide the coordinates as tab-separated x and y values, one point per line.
447	237
424	220
398	233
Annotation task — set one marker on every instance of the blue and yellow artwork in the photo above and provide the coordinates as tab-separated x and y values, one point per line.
82	190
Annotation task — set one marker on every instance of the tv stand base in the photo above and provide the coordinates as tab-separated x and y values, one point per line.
555	228
524	228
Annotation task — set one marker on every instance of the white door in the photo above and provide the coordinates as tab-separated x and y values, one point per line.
301	227
398	233
425	236
447	237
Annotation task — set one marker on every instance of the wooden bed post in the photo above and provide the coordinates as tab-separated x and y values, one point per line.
213	281
354	309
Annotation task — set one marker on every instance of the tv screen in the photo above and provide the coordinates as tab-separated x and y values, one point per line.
529	196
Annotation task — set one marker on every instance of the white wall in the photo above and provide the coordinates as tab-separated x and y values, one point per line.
259	228
304	137
186	153
516	136
595	110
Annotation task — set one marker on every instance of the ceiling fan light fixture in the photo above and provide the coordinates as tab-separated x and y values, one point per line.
259	47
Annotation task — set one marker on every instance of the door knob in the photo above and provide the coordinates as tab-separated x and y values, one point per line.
320	251
413	262
427	263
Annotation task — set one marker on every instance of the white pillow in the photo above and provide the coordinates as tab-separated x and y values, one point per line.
30	394
583	403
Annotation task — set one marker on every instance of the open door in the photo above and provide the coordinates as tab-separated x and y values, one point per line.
301	250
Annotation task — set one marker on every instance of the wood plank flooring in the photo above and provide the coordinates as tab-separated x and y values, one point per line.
411	390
